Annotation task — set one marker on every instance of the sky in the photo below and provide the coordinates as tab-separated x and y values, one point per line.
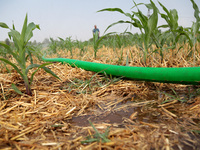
76	18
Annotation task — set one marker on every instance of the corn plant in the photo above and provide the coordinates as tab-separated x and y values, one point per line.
172	97
171	17
21	53
97	137
146	24
69	44
119	45
2	52
97	42
61	43
195	27
53	46
82	46
160	39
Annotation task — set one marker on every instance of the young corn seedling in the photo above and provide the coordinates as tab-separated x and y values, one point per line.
97	137
119	45
82	46
97	41
53	46
21	53
69	44
171	97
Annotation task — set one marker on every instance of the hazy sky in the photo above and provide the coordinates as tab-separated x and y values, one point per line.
76	18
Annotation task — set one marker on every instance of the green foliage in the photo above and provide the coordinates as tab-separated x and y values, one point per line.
82	46
53	46
69	44
189	95
147	26
195	27
97	137
172	97
36	50
150	34
21	52
96	43
89	85
171	18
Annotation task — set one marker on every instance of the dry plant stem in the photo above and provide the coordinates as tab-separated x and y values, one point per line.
3	92
6	124
168	112
149	124
2	107
35	127
8	110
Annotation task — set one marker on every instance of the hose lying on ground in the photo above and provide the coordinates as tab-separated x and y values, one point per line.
182	75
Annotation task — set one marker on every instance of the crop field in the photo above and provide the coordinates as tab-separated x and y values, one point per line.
47	105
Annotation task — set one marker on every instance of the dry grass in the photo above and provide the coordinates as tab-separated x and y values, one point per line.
55	117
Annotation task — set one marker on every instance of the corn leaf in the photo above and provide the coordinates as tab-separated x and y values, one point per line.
31	67
29	32
171	18
143	19
13	65
99	135
163	26
38	67
196	131
174	18
164	8
23	32
181	32
50	72
196	25
3	25
13	26
153	19
61	39
8	49
196	10
14	87
16	38
112	9
136	4
166	17
116	10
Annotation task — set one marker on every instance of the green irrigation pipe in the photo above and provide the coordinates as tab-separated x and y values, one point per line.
182	75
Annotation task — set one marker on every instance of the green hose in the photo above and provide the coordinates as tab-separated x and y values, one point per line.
182	75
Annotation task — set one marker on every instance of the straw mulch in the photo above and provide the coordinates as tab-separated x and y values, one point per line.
56	115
